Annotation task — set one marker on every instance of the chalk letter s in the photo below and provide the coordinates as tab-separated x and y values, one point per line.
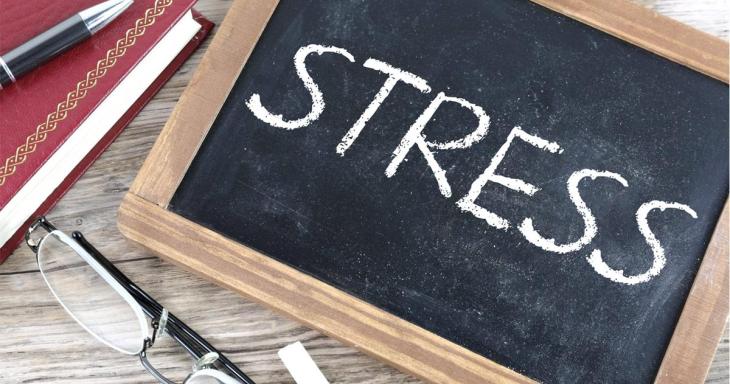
254	103
589	221
660	260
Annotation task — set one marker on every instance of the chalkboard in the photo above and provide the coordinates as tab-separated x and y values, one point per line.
519	183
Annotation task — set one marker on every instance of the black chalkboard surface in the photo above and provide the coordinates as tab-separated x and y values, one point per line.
643	128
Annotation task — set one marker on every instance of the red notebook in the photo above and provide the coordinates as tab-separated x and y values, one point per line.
56	120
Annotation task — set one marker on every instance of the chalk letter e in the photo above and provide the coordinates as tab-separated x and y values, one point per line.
467	203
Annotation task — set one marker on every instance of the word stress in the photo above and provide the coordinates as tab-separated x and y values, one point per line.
414	139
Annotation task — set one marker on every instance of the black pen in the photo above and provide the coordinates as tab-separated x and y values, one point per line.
58	39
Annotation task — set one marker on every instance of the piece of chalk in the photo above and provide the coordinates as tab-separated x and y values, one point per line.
300	365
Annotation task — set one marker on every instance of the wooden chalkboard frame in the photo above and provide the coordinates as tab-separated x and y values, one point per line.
144	218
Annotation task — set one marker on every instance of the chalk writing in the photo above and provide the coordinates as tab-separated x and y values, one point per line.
415	138
589	221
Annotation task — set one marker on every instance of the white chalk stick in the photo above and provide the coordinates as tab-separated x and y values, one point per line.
300	365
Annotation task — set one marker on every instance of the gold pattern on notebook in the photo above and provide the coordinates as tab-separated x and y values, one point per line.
73	97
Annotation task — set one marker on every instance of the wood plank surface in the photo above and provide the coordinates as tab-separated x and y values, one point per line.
342	316
666	37
41	344
703	318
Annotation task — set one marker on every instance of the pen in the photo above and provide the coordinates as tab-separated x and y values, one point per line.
58	39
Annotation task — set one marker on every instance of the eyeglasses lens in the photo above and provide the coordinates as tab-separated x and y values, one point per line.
210	376
88	297
203	380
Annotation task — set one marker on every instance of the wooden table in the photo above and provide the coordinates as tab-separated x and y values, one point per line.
40	343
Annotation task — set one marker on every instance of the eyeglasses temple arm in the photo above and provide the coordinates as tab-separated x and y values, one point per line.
175	327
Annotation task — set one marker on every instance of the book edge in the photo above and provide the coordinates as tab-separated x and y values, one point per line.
16	211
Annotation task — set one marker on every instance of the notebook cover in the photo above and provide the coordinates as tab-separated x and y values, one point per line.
37	119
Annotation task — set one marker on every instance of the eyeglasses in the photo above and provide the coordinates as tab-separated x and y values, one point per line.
112	308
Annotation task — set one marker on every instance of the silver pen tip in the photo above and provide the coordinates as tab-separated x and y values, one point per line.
100	15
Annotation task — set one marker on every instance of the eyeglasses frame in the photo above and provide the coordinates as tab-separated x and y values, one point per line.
191	341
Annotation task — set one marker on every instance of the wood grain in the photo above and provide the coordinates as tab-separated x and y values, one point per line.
647	29
195	113
698	330
40	344
688	358
689	353
306	299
